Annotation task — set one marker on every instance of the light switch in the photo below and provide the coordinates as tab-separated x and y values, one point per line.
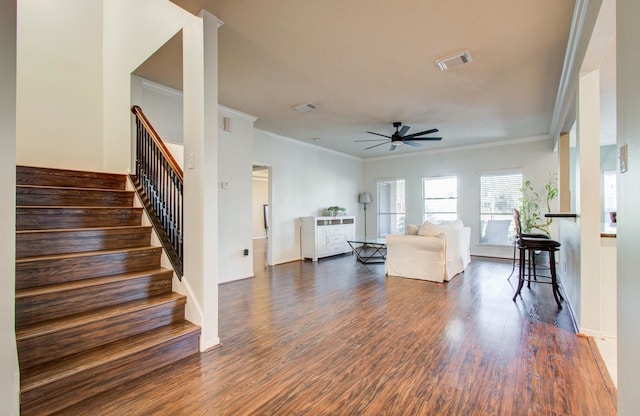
190	160
622	155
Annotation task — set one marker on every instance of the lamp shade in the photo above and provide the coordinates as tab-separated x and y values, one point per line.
364	198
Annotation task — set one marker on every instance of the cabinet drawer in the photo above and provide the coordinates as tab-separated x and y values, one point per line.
338	248
336	239
335	230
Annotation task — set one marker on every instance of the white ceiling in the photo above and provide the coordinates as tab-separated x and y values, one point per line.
366	64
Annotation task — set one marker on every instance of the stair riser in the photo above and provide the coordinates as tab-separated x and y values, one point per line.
64	393
50	271
39	308
69	341
80	339
60	242
56	177
72	197
29	218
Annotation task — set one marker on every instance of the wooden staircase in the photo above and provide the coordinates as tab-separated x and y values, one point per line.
93	306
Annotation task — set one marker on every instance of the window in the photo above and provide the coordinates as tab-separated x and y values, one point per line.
499	194
440	199
391	214
609	194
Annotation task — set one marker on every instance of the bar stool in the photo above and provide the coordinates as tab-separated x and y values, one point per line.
519	234
527	248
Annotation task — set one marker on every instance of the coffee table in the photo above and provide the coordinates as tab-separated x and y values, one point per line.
369	250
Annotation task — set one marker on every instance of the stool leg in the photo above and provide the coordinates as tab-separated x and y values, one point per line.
530	263
554	277
513	264
520	273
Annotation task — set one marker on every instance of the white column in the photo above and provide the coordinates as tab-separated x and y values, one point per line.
588	199
628	107
200	85
9	374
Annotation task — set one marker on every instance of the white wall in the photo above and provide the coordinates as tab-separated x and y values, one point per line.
74	62
235	167
83	95
305	180
162	105
59	82
9	373
628	104
534	157
259	199
133	31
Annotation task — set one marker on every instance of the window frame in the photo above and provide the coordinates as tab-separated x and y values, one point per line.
500	218
425	214
401	214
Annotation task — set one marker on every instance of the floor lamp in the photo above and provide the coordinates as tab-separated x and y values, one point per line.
365	198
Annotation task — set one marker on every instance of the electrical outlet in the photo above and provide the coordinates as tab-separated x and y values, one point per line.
246	252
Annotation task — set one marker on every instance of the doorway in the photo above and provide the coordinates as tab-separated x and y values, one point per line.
260	216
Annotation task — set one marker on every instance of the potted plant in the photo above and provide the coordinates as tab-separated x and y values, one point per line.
335	211
531	203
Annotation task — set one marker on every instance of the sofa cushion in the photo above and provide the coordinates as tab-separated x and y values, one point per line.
431	230
452	225
412	229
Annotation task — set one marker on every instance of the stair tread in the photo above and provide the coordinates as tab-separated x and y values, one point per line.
38	376
96	281
84	254
77	335
87	230
74	188
33	175
82	207
51	326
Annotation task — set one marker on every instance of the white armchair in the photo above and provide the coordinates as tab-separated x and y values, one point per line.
437	253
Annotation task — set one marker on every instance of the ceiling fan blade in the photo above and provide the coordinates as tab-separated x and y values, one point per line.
432	139
376	145
421	133
410	143
404	130
378	134
371	140
393	147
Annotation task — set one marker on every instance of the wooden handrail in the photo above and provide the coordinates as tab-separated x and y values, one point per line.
159	182
156	139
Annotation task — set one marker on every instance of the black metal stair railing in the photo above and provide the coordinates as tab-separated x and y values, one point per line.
159	182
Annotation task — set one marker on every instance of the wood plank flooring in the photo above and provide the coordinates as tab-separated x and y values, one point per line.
340	338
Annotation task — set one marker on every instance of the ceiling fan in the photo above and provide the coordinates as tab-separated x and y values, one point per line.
401	137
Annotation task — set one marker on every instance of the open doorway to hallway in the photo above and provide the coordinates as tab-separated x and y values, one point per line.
260	216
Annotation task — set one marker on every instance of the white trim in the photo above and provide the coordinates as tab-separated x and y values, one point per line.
465	147
312	146
574	55
231	111
162	89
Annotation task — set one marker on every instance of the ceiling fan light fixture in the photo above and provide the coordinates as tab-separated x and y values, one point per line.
453	61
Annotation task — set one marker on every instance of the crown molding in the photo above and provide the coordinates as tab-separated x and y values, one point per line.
585	14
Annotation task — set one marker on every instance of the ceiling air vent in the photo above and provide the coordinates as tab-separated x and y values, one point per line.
303	108
453	61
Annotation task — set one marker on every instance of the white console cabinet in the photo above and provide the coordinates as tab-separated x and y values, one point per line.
326	236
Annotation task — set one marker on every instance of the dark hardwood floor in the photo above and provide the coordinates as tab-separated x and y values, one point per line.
340	338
